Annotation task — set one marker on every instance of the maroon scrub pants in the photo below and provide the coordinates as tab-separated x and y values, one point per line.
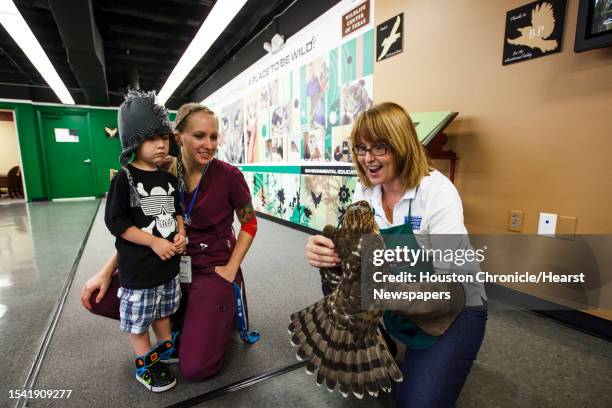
207	316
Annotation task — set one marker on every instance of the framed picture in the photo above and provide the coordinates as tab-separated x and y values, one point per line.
594	25
534	30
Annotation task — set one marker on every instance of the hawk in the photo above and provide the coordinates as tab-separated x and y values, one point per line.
342	342
334	335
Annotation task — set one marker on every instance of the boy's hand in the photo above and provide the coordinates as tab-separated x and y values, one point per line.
179	243
163	248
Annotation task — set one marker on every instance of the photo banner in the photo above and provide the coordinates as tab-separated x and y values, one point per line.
286	120
319	37
298	105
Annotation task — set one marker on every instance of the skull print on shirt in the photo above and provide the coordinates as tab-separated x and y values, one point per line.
159	204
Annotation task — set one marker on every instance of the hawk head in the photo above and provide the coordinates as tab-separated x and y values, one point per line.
359	217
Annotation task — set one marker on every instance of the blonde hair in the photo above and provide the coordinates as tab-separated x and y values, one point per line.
390	123
186	110
179	126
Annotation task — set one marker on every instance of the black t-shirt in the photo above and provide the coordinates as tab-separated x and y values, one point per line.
139	266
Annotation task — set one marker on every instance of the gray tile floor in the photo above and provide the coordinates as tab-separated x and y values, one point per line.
38	246
525	361
84	345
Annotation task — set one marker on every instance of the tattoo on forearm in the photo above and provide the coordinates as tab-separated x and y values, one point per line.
246	213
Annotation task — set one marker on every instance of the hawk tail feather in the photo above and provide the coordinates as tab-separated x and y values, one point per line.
342	359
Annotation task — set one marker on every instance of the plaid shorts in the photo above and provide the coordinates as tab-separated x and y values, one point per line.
139	307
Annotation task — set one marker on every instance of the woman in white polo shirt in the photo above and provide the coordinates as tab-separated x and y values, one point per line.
410	197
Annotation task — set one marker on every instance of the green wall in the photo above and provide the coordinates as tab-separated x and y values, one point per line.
29	144
105	151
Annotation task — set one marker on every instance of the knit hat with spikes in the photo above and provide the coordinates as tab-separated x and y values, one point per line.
140	117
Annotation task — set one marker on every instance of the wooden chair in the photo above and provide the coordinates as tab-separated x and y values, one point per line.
15	184
3	184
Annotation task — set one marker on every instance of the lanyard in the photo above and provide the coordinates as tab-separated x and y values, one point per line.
410	207
247	337
189	210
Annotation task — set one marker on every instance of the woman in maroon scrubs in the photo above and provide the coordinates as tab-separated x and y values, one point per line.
208	307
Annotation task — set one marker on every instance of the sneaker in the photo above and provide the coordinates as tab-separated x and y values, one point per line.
153	374
168	350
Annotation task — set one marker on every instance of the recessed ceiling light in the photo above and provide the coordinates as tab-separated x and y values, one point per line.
16	26
219	17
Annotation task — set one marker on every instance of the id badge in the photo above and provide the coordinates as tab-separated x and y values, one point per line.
185	271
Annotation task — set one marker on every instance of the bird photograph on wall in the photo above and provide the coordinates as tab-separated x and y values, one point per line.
542	26
534	30
110	133
394	35
389	37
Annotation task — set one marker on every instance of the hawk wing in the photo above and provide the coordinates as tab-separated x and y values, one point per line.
543	16
338	340
347	302
330	277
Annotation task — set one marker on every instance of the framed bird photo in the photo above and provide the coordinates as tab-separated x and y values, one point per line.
390	37
534	30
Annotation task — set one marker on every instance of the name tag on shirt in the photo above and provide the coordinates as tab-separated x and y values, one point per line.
185	271
415	222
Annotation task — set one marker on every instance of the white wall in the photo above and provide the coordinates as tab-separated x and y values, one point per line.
9	151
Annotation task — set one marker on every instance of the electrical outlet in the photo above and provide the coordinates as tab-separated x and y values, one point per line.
515	220
547	224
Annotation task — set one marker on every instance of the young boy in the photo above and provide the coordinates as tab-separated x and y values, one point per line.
143	212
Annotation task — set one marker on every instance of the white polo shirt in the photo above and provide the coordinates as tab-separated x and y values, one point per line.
436	209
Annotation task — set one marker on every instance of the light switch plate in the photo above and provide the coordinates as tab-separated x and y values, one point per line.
515	220
547	224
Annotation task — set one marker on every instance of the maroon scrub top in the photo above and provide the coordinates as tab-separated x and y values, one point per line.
223	189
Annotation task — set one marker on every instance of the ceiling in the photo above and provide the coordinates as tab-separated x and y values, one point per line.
100	47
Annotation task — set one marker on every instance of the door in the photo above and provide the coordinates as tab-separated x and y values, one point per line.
68	156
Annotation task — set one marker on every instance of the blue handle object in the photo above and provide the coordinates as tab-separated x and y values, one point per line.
247	337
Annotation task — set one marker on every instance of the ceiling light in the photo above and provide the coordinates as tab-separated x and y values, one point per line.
17	28
219	17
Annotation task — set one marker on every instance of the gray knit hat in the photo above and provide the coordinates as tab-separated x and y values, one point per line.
140	117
